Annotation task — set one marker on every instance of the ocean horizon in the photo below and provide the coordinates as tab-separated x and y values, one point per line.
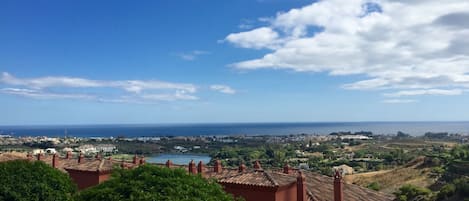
196	129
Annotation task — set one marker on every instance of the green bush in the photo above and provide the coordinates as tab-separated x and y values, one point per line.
374	186
410	192
446	191
150	182
462	186
22	180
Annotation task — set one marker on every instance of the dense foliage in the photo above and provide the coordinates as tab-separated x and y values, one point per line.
409	192
270	156
150	182
22	180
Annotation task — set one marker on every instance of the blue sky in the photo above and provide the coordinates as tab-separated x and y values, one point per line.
100	62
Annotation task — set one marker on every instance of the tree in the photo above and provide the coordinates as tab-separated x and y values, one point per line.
446	191
22	180
374	186
462	186
410	192
150	182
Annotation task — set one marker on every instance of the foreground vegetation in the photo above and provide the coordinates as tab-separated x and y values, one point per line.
149	182
22	180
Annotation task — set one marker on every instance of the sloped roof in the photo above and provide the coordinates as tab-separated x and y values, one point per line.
319	187
322	189
9	156
63	164
253	178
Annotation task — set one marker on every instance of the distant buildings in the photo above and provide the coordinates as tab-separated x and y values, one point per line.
354	137
100	148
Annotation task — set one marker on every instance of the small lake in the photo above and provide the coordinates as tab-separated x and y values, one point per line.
179	159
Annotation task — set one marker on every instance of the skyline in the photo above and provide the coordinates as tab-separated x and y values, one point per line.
242	61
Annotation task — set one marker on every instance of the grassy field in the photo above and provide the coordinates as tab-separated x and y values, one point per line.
390	180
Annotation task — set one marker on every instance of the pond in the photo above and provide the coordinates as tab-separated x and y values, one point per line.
179	159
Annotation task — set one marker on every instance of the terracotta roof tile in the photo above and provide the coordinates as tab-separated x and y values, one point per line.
322	189
9	156
254	178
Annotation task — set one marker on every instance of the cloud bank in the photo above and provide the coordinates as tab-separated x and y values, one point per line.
131	91
417	47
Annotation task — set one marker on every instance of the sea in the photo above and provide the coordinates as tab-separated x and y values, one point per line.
212	129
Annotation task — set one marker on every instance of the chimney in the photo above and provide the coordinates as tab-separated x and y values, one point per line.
241	167
55	160
217	168
200	168
257	165
122	164
80	157
110	158
286	168
135	159
169	163
97	156
68	155
39	156
141	161
192	168
300	187
338	186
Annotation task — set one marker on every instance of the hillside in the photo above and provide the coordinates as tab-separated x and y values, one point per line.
390	180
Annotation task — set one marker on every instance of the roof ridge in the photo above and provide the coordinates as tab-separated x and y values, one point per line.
270	178
101	163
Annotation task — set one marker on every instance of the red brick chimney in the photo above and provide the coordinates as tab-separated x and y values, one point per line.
80	157
200	168
338	186
218	168
68	155
192	168
55	160
97	156
169	163
300	187
286	168
241	167
257	165
141	161
135	159
39	156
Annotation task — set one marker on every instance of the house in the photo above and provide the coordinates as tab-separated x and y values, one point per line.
85	172
252	184
287	184
344	169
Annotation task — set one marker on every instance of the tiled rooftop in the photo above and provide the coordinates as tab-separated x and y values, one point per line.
8	156
319	187
87	164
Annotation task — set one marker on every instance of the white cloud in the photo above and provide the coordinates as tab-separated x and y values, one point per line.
450	92
398	101
259	38
179	95
398	45
135	86
223	89
43	95
134	91
190	56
